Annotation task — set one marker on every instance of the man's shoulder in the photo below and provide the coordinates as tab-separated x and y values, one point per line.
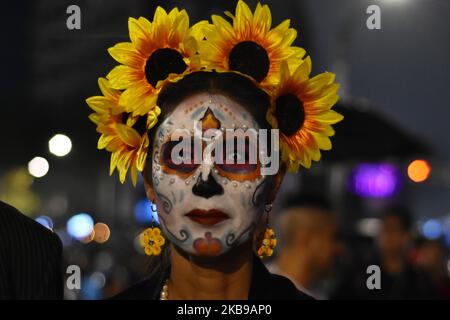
287	289
143	290
17	226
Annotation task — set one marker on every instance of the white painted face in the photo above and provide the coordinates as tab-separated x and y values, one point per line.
208	208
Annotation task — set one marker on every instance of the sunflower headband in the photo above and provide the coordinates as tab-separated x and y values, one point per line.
168	48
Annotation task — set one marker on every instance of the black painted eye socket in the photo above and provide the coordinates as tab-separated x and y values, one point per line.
230	158
251	59
185	161
163	62
290	114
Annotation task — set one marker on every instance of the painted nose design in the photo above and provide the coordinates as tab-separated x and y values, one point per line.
207	188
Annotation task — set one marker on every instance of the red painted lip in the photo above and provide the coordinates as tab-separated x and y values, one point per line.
207	217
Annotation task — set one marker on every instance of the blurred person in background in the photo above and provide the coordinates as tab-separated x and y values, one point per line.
30	258
433	257
308	244
399	278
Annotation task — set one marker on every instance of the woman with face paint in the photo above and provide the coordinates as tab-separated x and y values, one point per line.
227	109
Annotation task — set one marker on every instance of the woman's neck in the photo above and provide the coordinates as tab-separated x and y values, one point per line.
227	277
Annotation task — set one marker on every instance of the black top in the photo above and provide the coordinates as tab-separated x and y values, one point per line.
264	286
30	258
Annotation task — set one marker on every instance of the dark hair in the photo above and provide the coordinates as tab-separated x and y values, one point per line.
401	213
232	85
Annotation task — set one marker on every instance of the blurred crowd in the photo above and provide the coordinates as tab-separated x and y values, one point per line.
328	265
394	262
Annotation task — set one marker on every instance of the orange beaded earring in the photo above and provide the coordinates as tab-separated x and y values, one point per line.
269	241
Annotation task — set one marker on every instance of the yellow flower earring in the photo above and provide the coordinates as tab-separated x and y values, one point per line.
151	238
269	241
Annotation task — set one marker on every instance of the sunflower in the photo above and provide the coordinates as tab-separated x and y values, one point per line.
301	110
122	134
249	45
158	50
152	241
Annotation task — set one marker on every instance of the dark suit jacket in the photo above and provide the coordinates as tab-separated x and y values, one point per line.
30	258
264	286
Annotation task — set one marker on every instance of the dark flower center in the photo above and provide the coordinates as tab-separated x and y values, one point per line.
251	59
163	62
290	114
141	124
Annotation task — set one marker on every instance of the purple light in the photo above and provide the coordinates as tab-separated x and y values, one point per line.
374	180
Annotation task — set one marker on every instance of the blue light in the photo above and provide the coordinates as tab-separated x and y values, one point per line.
45	221
432	229
80	225
90	290
447	239
143	212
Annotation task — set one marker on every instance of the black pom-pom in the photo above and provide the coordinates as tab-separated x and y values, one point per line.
251	59
163	62
290	114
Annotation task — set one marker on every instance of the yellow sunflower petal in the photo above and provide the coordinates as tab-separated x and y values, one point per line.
262	19
104	141
115	144
114	161
243	18
122	77
107	91
134	175
99	104
302	72
125	53
128	135
139	33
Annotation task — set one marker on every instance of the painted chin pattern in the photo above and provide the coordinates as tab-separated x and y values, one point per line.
207	246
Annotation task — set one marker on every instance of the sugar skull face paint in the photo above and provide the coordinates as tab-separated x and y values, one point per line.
206	208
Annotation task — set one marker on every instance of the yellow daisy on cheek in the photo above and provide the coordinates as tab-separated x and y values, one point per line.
158	49
301	110
249	45
152	241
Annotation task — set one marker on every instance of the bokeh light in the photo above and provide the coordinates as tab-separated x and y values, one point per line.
143	212
432	229
45	221
60	145
89	238
80	226
374	180
38	167
102	233
419	170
